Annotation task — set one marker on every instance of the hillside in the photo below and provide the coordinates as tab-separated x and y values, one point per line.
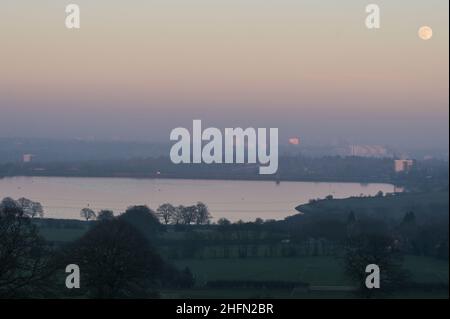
425	206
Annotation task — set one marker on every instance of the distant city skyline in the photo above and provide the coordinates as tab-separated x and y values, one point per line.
136	70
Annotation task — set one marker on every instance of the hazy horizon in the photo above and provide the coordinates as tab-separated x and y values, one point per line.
136	70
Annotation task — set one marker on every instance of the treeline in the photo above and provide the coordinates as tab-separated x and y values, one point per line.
305	235
357	241
197	214
332	168
427	175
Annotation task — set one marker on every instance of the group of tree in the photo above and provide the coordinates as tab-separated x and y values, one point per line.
196	214
26	262
116	257
119	259
116	261
89	214
30	208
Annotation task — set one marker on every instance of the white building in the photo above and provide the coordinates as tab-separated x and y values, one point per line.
369	151
403	165
27	158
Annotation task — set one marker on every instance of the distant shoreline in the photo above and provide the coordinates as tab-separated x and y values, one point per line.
206	178
425	175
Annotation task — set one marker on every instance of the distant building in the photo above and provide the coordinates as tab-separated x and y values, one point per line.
369	151
403	165
294	141
27	158
399	189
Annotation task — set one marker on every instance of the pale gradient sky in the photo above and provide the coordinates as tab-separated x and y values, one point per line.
137	69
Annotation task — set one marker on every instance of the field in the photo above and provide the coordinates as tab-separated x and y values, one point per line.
314	270
427	270
61	234
320	272
324	274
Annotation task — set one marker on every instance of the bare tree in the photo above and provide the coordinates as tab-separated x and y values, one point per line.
117	261
87	214
166	212
202	215
31	208
25	266
178	215
188	214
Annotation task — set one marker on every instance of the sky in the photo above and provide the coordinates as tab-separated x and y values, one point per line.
137	69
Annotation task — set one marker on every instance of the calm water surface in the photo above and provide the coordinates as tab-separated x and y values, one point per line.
64	197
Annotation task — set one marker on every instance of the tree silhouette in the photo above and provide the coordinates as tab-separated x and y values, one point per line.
143	219
178	215
116	261
202	215
188	214
105	215
31	208
87	214
25	262
166	212
223	222
374	249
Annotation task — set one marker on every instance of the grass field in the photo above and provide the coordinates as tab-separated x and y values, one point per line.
251	294
285	294
317	271
61	234
427	270
314	270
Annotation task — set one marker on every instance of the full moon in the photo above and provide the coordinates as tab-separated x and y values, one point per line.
425	33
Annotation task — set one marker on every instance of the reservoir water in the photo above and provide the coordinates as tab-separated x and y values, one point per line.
64	197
